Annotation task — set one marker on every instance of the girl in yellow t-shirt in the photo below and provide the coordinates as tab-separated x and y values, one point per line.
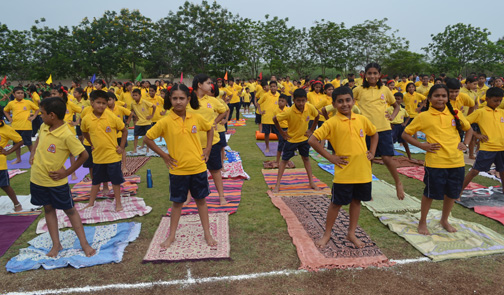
391	85
81	100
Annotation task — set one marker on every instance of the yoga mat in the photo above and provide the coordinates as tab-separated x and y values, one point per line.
273	145
487	197
329	168
274	165
232	193
108	240
495	213
384	200
413	149
294	183
401	161
232	170
190	244
470	240
12	228
82	190
25	164
143	152
231	131
232	156
318	158
133	164
7	207
102	211
249	116
81	172
492	174
306	217
15	172
418	174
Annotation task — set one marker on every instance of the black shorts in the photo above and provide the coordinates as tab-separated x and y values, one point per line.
268	128
119	142
26	136
89	161
78	130
385	144
180	185
222	141
281	140
443	181
258	118
215	159
344	193
108	172
59	197
246	104
290	148
397	131
4	178
485	159
141	130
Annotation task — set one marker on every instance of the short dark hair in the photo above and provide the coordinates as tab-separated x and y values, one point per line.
495	92
273	82
112	95
95	94
137	91
341	91
17	88
452	83
399	94
54	105
299	93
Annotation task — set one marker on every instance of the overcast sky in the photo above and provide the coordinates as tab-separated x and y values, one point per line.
415	20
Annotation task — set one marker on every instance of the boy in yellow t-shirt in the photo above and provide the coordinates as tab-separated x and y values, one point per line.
100	130
121	113
267	105
298	118
352	170
142	110
282	108
49	178
21	118
400	121
246	101
8	133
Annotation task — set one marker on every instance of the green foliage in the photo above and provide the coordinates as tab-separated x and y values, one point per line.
404	61
327	44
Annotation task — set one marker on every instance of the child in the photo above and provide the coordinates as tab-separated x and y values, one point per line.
246	101
8	133
81	100
186	161
222	125
282	108
158	102
400	121
490	120
373	99
120	112
48	181
100	129
413	100
268	104
35	97
352	171
261	89
142	110
21	118
444	161
318	99
297	118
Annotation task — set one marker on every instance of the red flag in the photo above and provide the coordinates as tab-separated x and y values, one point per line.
3	80
181	77
260	76
225	76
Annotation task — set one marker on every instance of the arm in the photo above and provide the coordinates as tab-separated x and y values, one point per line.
152	114
7	115
169	161
313	126
325	114
14	148
336	160
372	147
397	108
32	117
208	148
124	138
284	134
34	148
88	138
428	147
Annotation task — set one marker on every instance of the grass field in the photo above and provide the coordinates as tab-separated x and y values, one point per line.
260	243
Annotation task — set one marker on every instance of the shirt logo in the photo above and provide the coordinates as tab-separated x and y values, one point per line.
415	101
361	133
502	120
453	122
24	108
108	129
194	129
51	148
143	110
382	97
66	112
209	105
307	118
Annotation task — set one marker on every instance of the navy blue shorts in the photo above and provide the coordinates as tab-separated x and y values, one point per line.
59	197
215	159
180	185
141	130
26	136
485	159
344	193
222	141
258	118
443	181
397	131
108	172
290	148
78	130
89	161
281	140
268	128
119	142
385	144
4	178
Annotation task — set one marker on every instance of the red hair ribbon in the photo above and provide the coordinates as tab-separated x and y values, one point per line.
190	89
219	79
317	82
213	87
62	88
456	114
390	81
169	88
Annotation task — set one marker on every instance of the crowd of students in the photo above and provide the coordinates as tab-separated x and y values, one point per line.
357	119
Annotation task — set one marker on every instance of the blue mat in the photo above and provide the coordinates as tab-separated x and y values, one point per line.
108	240
413	149
25	162
330	169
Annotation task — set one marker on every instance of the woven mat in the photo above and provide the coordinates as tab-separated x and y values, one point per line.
274	165
82	190
294	183
133	164
12	228
401	161
418	173
385	199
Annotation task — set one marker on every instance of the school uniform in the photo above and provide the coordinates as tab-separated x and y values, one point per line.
127	99
6	133
142	109
21	111
268	103
397	123
411	102
221	128
462	103
283	124
120	112
234	103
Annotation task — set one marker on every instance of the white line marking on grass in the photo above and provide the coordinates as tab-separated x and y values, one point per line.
188	281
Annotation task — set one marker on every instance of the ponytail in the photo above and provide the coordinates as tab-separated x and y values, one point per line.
82	92
455	116
193	98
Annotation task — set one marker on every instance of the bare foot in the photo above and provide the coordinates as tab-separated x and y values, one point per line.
55	250
422	229
266	150
88	206
276	189
106	191
449	228
400	191
314	186
323	241
210	241
167	243
18	207
357	243
17	161
189	199
74	177
119	207
222	201
88	250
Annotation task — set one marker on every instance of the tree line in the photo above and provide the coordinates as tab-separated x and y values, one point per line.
207	38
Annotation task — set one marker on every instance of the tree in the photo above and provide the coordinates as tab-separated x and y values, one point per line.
302	60
16	54
404	61
327	43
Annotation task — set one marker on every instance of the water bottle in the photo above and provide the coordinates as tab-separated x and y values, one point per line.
149	178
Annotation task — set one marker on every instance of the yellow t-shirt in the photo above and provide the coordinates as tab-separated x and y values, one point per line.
298	121
183	141
209	109
71	109
288	87
268	103
331	110
158	101
373	103
250	86
7	133
423	90
82	104
418	83
127	99
21	111
142	110
481	91
235	89
120	112
89	89
411	102
348	138
317	99
439	127
36	98
402	85
103	134
278	110
336	83
53	149
220	125
401	115
246	97
462	103
491	123
472	94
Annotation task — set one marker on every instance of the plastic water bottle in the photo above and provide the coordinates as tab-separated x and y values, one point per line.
149	178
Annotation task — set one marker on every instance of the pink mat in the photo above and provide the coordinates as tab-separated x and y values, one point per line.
418	173
496	213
